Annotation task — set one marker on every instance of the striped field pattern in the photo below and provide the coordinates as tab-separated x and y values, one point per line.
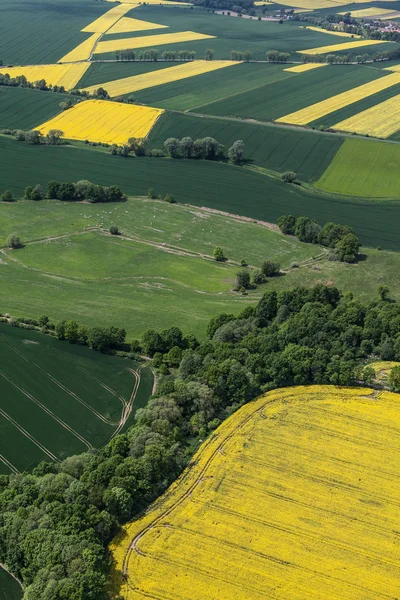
305	67
294	497
339	47
381	120
149	41
62	75
127	25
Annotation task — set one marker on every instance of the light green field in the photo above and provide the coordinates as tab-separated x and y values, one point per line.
9	588
364	168
59	399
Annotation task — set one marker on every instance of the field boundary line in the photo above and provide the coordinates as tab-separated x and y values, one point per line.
28	435
9	464
49	412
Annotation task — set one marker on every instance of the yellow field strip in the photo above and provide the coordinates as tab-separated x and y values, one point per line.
315	4
395	68
381	120
337	33
61	75
135	3
305	67
149	41
102	121
83	51
320	109
127	25
339	47
296	492
369	12
119	87
103	23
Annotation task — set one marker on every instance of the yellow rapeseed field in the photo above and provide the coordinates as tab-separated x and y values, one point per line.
395	68
106	21
149	41
305	67
381	120
315	4
83	51
320	109
338	33
294	497
102	121
338	47
65	75
127	24
158	2
373	11
119	87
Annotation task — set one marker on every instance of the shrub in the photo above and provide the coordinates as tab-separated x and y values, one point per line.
288	176
218	254
270	268
114	230
13	241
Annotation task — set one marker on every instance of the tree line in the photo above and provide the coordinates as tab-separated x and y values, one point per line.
341	240
57	521
70	192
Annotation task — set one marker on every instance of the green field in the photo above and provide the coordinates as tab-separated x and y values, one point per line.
232	189
58	399
364	168
39	32
277	148
289	95
9	588
24	108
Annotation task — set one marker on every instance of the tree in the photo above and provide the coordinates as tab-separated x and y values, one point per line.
186	147
383	292
13	241
209	55
7	196
210	148
289	176
347	248
114	230
272	56
287	223
27	193
270	268
33	137
36	193
169	198
218	254
172	146
307	230
101	93
394	379
236	152
243	279
54	137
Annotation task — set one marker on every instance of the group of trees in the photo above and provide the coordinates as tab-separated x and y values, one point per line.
340	239
204	148
275	56
34	137
239	55
84	190
246	278
153	55
56	522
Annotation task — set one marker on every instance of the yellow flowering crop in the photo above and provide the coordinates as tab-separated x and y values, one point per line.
66	75
315	4
106	21
83	51
157	2
339	47
149	41
127	24
338	33
295	496
393	68
373	11
320	109
382	120
102	121
305	67
119	87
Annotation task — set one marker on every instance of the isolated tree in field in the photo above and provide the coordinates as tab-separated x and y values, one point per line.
7	196
347	248
114	230
270	268
236	152
13	241
172	146
288	176
243	279
218	254
209	55
54	137
287	223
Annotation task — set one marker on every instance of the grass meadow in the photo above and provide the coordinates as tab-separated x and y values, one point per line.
296	472
277	148
364	168
59	399
9	587
24	108
231	189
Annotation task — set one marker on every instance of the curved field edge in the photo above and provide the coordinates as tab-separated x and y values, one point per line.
10	588
124	544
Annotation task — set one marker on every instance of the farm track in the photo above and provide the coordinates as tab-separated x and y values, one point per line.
9	465
29	436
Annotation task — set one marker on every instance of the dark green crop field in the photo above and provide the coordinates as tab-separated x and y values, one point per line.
9	587
24	108
38	32
277	148
58	399
192	93
270	102
202	183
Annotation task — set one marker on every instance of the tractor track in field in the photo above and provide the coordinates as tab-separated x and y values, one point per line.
9	465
